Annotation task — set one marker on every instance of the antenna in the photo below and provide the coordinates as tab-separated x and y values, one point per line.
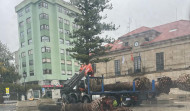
129	24
176	14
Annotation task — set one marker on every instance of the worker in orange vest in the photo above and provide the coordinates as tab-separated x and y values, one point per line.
88	69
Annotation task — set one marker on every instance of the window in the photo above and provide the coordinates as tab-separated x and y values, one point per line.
21	35
44	27
43	49
28	20
63	72
23	54
76	64
20	13
29	41
69	62
159	61
30	52
43	4
46	49
28	31
69	72
44	16
62	61
45	39
24	73
66	22
61	41
137	64
76	72
60	20
22	44
67	42
45	60
117	67
60	9
32	73
75	26
67	53
30	62
66	11
173	30
47	82
61	30
21	24
67	32
47	71
126	44
62	51
23	64
27	9
146	39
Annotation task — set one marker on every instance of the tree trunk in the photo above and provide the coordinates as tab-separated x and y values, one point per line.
183	82
93	106
141	84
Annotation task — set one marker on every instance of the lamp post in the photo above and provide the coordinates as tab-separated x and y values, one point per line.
1	78
24	76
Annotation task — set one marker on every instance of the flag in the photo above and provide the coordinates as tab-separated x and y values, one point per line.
123	60
132	59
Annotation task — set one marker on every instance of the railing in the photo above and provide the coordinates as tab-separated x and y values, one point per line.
130	72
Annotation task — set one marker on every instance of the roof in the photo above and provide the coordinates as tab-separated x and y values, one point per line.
67	5
117	45
167	31
172	30
139	30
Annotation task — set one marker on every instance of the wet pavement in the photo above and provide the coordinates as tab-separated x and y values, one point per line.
167	105
7	107
162	103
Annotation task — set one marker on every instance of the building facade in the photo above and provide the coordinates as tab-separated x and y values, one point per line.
151	52
44	27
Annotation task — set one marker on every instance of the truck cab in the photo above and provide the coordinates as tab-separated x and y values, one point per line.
78	93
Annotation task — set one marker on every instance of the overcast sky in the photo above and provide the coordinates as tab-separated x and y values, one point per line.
138	13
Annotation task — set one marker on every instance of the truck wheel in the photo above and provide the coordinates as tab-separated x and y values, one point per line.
73	99
86	100
65	98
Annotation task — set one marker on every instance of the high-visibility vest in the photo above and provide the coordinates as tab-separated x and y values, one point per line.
88	68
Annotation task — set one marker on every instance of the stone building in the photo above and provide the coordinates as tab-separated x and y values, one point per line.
151	52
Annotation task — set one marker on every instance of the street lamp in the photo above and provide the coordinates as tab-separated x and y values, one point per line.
1	78
24	76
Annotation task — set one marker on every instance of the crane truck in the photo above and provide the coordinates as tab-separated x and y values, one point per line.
72	93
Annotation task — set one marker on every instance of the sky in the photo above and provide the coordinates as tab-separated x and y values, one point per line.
128	14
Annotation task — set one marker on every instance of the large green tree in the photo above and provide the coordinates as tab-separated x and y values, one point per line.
88	45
